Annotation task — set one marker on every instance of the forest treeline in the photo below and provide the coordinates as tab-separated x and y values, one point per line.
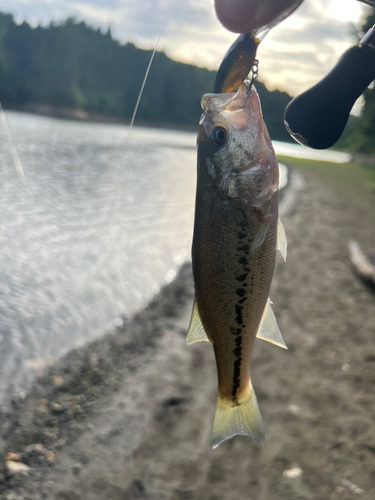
71	65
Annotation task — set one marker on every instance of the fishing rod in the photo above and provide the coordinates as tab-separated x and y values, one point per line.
370	3
316	118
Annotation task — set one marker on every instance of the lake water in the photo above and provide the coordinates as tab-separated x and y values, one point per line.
99	223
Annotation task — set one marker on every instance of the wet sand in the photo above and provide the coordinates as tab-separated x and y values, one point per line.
129	416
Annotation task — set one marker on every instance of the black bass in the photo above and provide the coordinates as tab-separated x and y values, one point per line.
236	234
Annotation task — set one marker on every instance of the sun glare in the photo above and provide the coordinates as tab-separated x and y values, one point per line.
345	10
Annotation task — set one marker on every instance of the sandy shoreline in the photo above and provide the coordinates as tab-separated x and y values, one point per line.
129	416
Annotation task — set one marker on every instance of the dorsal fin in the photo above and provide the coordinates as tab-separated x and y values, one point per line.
281	239
196	331
269	329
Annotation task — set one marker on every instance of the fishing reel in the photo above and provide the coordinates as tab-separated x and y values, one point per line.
317	117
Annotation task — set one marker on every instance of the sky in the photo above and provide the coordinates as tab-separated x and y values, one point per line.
294	55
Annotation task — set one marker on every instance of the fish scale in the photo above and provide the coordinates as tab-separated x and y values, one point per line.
215	284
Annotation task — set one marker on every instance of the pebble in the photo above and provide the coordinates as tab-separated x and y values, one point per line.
296	410
43	402
14	468
57	381
76	469
38	448
293	473
11	496
38	456
13	457
57	408
352	487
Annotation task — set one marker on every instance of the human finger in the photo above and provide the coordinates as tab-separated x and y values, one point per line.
242	16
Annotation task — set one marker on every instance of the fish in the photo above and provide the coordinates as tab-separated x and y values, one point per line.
237	63
236	234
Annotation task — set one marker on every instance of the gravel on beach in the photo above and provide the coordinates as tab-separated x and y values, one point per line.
128	417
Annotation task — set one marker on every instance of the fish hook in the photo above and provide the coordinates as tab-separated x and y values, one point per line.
254	75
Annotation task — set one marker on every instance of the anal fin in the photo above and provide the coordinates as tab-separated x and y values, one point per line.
269	329
196	332
281	240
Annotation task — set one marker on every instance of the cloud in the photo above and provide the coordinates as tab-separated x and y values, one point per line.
293	56
304	48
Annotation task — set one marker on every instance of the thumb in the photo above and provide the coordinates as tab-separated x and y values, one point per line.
242	16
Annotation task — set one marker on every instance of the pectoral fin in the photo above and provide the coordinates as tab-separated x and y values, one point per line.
196	331
281	239
269	329
259	238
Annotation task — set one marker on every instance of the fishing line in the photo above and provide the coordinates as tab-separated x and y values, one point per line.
16	159
149	66
111	233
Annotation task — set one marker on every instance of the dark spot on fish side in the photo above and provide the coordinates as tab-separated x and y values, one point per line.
241	236
240	292
236	375
243	261
236	331
239	309
237	351
242	277
244	248
238	340
242	300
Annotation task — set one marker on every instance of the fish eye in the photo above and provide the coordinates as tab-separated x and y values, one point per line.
218	136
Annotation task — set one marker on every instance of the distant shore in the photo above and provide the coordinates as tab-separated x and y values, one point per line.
83	116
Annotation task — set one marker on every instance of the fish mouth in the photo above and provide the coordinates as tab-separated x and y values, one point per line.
236	110
231	101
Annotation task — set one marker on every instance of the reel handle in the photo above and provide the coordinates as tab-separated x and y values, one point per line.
317	117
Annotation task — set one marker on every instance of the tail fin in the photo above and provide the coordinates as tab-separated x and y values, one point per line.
243	418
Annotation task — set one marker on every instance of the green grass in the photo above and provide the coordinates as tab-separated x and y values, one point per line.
354	181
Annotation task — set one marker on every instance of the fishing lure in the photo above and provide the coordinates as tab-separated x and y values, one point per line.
237	63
